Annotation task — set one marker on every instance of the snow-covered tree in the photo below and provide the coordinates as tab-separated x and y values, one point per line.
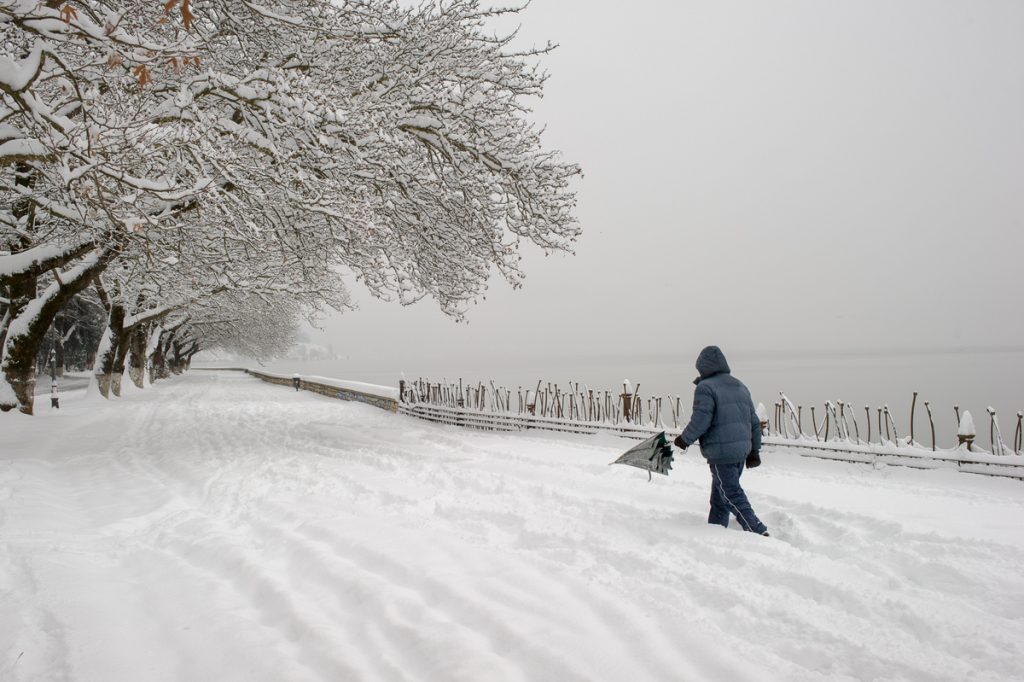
238	138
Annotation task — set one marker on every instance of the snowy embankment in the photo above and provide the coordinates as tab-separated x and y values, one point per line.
218	528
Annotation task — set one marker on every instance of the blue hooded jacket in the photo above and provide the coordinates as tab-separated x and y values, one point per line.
724	419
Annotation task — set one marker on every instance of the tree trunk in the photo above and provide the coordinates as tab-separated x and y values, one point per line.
137	354
175	363
30	323
106	355
166	354
19	366
5	320
163	352
157	365
182	354
120	359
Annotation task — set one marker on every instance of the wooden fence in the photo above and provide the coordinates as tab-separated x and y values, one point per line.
837	436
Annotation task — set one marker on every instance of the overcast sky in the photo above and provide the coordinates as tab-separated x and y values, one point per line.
767	176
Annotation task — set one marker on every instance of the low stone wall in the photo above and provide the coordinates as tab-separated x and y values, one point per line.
381	402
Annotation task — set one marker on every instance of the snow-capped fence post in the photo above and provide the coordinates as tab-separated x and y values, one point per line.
790	418
814	421
889	420
931	422
996	436
762	416
1018	435
867	418
627	401
638	406
991	429
842	426
853	416
965	432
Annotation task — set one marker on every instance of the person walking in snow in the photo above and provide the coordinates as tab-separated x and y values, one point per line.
725	422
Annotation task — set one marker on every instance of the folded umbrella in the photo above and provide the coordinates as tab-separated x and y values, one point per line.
654	454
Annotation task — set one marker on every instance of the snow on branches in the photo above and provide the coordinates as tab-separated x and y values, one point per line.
192	148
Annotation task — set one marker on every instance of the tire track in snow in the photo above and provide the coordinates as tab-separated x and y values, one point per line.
385	466
474	509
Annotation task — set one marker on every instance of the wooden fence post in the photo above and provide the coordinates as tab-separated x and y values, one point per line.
1018	436
913	405
928	409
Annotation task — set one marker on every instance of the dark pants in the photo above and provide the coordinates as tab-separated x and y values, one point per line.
727	497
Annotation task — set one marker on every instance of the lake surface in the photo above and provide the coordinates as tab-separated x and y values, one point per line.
973	380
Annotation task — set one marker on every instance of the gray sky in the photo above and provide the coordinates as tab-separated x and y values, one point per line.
770	177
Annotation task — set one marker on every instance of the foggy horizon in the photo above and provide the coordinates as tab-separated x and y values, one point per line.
795	178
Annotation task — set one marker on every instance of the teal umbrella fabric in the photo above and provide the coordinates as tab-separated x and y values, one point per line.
654	454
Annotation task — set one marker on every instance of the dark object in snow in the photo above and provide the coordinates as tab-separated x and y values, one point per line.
296	381
654	454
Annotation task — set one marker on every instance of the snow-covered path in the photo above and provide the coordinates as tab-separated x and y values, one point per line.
217	528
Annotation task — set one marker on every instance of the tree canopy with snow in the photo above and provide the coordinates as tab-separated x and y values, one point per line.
188	155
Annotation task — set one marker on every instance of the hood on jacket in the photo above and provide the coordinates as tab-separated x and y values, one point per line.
710	362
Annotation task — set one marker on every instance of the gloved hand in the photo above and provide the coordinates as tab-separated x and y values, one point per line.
753	459
680	443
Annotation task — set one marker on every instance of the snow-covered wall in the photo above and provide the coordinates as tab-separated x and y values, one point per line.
383	397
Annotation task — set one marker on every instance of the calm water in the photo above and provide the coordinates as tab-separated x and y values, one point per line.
972	380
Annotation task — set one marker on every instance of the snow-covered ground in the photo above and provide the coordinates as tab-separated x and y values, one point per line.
218	528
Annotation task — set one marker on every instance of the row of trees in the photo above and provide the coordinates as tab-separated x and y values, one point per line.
207	168
74	336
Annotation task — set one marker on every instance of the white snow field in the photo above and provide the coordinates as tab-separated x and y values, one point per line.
217	528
